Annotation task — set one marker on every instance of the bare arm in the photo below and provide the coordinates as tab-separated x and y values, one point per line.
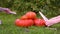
44	17
51	21
7	10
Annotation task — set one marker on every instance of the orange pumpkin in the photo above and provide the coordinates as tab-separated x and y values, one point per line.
31	15
24	17
39	22
24	23
17	22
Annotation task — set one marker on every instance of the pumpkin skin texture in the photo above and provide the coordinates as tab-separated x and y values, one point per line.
17	22
39	22
31	15
24	23
24	17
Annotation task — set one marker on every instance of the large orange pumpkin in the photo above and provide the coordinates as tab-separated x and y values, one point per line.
24	23
31	15
39	22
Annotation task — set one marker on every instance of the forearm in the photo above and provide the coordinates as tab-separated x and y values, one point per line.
1	9
53	20
4	9
7	10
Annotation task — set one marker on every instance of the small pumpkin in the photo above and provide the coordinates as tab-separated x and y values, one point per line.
24	23
24	17
31	15
39	22
17	22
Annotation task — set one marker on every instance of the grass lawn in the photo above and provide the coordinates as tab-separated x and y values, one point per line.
8	27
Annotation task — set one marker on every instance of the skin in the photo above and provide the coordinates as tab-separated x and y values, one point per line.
50	22
7	10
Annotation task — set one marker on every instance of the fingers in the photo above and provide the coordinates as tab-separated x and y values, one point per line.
45	18
12	12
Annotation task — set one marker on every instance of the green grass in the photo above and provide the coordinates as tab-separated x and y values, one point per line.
50	9
8	27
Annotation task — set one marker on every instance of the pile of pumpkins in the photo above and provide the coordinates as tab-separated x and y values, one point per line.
29	19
